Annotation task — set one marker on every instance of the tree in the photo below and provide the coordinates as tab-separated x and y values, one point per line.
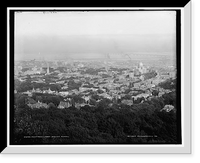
38	98
78	134
55	87
20	100
78	99
86	108
110	126
54	99
17	83
168	84
95	97
104	103
127	97
100	91
155	93
138	100
92	102
51	105
170	98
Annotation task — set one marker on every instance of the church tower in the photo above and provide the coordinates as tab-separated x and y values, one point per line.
47	68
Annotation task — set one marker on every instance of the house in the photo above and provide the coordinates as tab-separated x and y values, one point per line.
82	89
75	91
131	75
33	90
38	105
38	90
60	82
127	102
64	93
64	105
141	77
86	98
65	87
105	95
38	81
145	95
78	106
172	74
167	108
28	93
136	85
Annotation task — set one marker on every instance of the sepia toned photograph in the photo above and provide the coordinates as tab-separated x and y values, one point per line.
96	77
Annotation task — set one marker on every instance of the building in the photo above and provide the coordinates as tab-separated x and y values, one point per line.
64	104
78	105
28	93
64	93
38	81
144	95
38	90
38	105
47	69
167	108
141	68
137	85
136	72
60	82
86	98
140	64
142	77
29	72
127	102
172	74
82	89
50	91
131	75
64	87
80	65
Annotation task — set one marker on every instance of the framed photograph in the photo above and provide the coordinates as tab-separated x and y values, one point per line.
99	80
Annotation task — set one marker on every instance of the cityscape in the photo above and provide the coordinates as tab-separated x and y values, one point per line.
90	84
87	78
91	81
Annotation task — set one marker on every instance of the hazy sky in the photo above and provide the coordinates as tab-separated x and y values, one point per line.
94	34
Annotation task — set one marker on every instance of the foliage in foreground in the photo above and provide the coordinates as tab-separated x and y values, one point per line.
119	124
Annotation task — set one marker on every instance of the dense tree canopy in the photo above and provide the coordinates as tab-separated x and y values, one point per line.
150	75
168	84
97	123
